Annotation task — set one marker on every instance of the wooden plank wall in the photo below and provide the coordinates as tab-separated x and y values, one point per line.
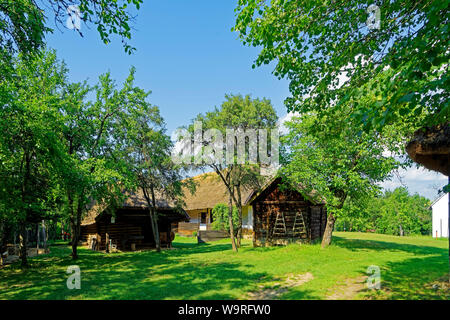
86	231
211	235
264	221
125	231
186	228
316	222
120	233
274	201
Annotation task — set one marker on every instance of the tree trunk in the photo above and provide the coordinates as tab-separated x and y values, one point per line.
1	242
153	216
331	219
230	220
4	235
239	206
155	229
327	235
76	222
155	221
74	241
107	242
23	229
23	244
38	238
44	227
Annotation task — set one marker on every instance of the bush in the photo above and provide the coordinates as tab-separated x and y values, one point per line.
395	212
220	216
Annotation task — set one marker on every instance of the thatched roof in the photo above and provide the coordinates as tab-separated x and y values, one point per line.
431	148
311	196
134	200
210	190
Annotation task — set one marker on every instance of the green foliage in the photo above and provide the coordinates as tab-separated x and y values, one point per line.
332	161
396	74
30	150
60	150
23	24
238	113
146	146
141	137
403	214
395	212
221	219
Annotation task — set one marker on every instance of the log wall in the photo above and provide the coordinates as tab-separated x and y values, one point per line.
131	229
298	219
211	235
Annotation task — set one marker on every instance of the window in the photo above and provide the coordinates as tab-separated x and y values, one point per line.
203	217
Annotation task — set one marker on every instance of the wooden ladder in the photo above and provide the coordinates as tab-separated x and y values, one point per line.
279	229
299	227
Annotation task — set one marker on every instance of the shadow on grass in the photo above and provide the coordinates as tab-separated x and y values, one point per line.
171	274
412	279
206	271
407	279
358	244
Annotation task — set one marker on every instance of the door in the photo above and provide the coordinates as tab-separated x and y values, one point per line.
203	221
203	218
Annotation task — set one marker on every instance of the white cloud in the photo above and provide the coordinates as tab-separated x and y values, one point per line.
418	180
288	117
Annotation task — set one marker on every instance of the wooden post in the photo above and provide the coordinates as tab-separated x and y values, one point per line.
45	233
107	242
37	238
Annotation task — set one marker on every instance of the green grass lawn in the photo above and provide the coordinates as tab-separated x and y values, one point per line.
409	268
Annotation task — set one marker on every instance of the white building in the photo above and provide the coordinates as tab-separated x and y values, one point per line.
440	216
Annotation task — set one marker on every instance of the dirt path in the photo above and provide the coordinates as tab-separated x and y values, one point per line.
277	289
347	289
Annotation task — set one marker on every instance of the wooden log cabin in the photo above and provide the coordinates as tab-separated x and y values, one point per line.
281	216
129	228
272	215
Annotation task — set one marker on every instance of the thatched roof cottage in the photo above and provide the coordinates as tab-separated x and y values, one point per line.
128	226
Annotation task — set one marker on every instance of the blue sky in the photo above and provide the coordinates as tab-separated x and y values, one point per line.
185	54
188	57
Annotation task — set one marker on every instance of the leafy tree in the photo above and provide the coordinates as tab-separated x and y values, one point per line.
147	150
221	221
395	212
23	23
97	166
318	44
334	162
61	152
238	113
30	151
402	214
356	215
333	55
